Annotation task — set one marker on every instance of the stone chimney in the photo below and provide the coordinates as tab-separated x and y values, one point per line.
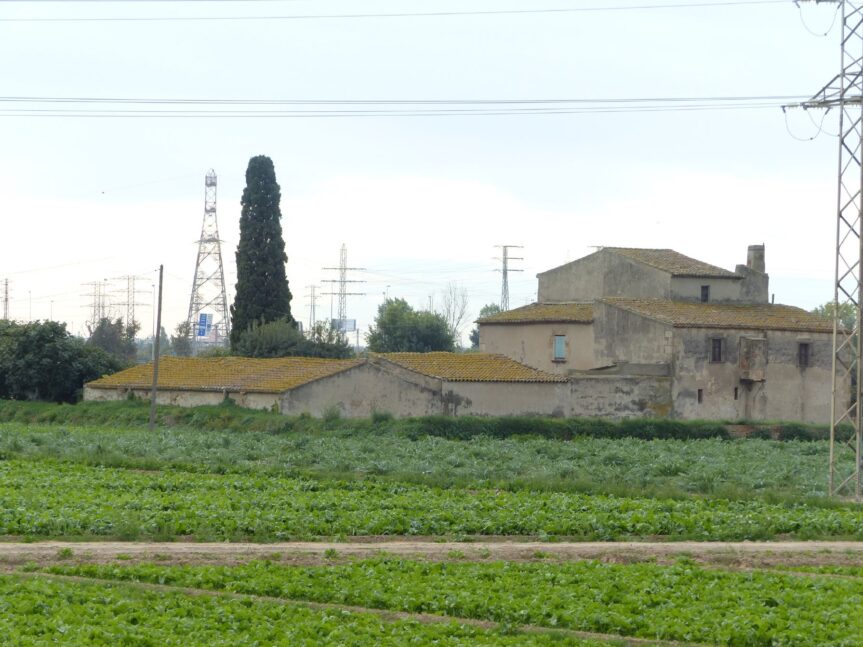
755	258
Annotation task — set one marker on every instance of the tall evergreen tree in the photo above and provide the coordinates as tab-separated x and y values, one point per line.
262	294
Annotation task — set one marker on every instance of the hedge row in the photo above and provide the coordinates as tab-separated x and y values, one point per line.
229	416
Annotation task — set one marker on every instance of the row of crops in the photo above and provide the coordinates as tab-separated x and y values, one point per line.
681	602
53	499
39	612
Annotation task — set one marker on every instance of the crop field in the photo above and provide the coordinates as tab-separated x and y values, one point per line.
173	488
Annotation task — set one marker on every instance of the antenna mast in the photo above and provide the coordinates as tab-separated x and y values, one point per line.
208	320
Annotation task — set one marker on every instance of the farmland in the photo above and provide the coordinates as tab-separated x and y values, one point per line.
83	480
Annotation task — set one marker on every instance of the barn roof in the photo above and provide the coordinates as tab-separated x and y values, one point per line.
469	367
753	316
543	313
227	374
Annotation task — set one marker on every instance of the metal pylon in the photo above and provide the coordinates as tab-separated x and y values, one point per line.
845	94
208	286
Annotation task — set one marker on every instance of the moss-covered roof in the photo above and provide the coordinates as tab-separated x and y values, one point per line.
543	313
469	367
754	316
673	262
227	374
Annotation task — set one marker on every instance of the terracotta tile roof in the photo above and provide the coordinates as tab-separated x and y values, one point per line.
673	262
227	373
756	316
544	312
469	367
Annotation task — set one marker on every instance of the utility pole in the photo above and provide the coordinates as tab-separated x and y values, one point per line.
156	341
844	93
313	304
505	258
342	292
6	299
208	285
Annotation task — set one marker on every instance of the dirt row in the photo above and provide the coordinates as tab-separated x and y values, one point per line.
725	554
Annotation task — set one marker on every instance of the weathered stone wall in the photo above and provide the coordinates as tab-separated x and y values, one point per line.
787	392
175	398
620	396
533	344
602	274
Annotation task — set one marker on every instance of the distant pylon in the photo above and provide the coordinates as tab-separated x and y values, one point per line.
208	287
313	304
6	299
505	270
342	282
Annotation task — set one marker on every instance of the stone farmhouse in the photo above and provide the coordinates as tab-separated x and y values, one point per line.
709	335
619	333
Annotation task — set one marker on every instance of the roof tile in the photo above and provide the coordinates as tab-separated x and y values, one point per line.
754	316
673	262
227	373
544	313
469	367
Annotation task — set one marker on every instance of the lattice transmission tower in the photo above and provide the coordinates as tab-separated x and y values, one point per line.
505	269
209	321
844	93
341	322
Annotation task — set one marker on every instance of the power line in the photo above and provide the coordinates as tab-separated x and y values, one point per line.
423	14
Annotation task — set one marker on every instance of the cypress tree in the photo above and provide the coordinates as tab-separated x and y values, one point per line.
262	294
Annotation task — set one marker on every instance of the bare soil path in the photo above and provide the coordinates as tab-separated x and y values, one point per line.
725	554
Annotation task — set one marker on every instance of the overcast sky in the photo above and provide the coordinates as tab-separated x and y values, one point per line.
420	201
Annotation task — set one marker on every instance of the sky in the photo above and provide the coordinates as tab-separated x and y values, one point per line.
420	194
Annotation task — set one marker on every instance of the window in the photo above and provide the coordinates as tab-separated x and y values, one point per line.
803	354
700	396
559	348
735	393
705	293
716	350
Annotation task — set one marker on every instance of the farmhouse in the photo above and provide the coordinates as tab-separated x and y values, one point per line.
708	334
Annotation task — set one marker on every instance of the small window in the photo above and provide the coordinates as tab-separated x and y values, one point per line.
716	350
705	293
735	393
804	354
560	348
700	396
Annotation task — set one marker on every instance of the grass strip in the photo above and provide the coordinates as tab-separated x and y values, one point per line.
40	611
42	499
681	602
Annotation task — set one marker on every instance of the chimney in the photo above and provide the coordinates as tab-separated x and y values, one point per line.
755	258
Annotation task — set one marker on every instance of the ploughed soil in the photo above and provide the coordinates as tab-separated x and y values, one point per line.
742	555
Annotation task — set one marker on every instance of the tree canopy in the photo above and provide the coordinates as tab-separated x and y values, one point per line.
398	328
262	293
115	338
282	339
487	310
43	361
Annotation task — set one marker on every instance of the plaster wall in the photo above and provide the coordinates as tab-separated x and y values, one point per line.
360	391
533	344
175	398
685	288
625	337
506	398
602	274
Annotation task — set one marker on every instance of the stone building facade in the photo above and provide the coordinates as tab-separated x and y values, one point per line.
655	314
